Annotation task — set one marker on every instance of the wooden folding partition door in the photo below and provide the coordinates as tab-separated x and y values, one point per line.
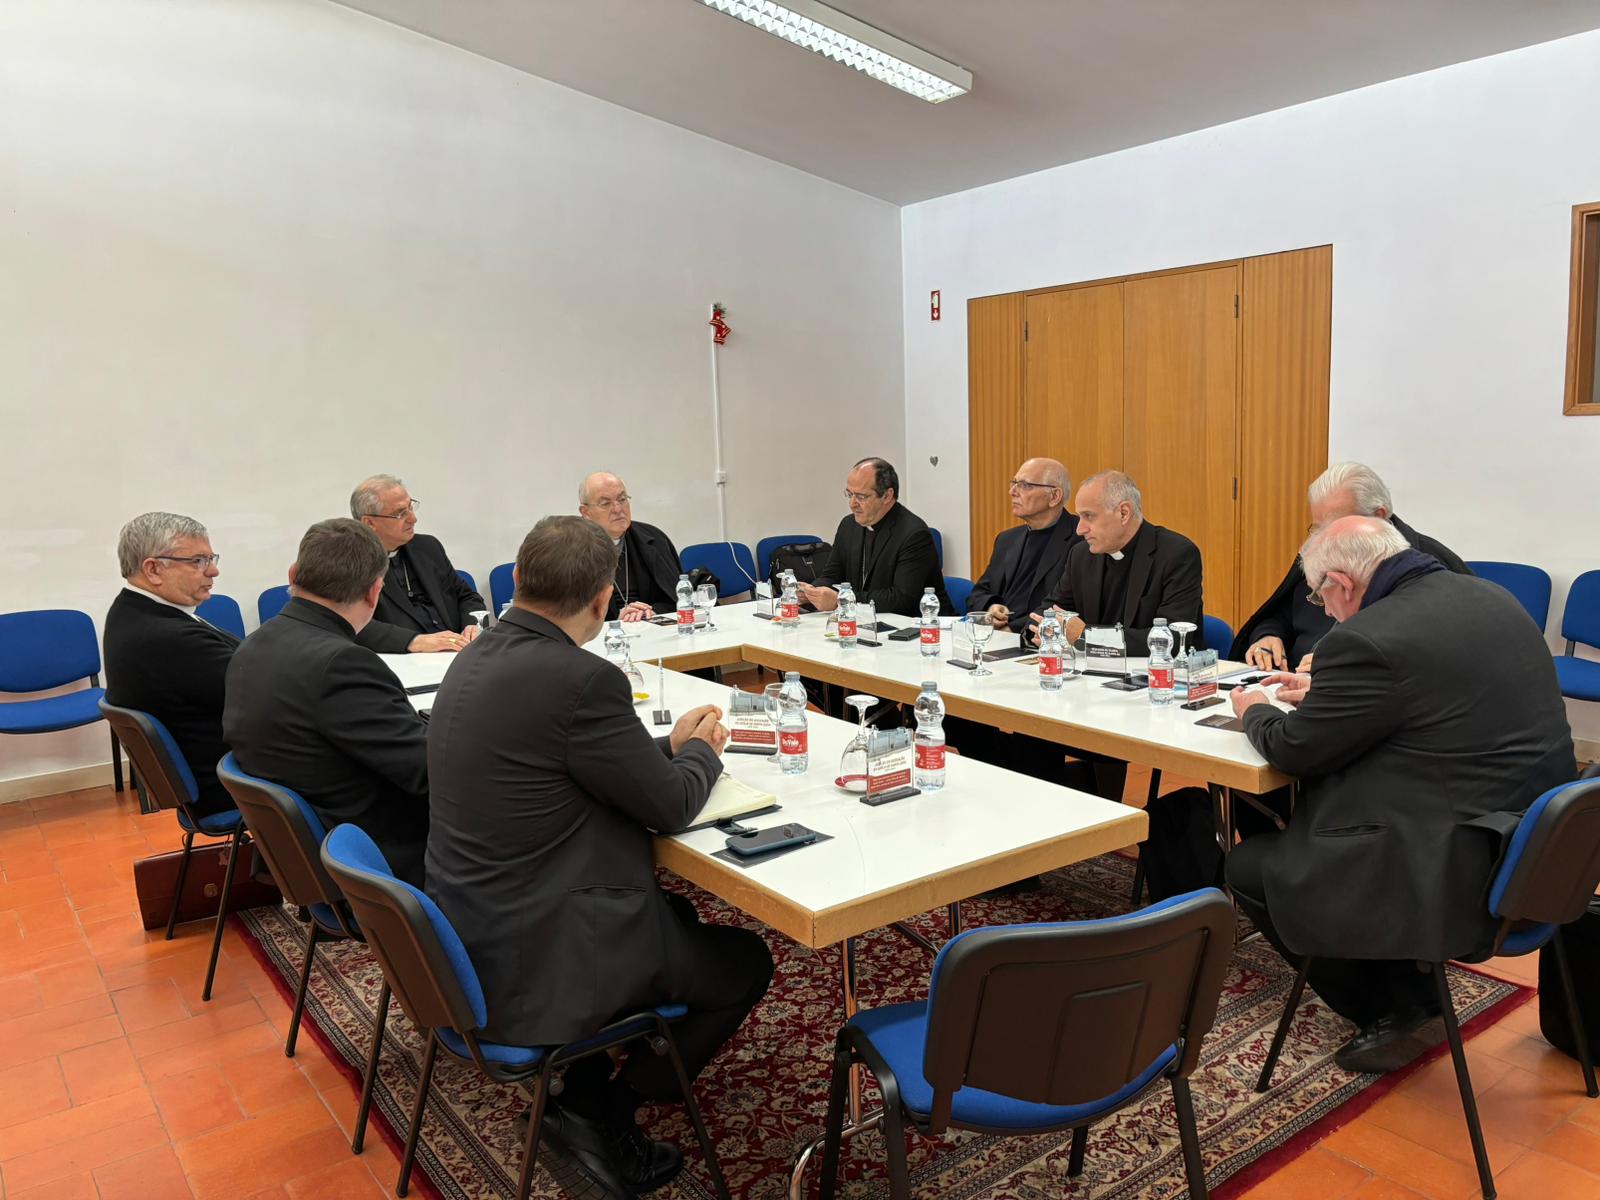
1208	384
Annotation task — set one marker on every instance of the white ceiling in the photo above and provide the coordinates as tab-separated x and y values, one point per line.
1055	81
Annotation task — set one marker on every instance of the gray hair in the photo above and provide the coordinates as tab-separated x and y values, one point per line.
1354	545
151	535
583	484
1119	487
1368	491
364	500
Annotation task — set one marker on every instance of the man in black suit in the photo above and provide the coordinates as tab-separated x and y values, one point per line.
546	790
160	657
1286	628
647	562
309	708
424	605
1028	558
1430	719
882	549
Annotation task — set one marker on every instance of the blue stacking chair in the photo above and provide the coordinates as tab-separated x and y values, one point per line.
433	978
501	586
1528	584
985	1051
170	783
1580	622
1545	880
938	545
270	603
1218	634
960	591
767	546
49	648
731	562
466	578
223	612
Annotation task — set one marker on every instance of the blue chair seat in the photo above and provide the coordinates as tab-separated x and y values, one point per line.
899	1032
1579	677
216	825
530	1056
1526	941
52	713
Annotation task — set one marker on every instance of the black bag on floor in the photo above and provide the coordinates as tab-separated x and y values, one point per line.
1182	852
1582	939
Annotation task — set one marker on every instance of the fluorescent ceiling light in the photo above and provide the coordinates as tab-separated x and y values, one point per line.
855	44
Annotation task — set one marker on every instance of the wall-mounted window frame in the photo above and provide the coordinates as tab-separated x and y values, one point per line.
1583	314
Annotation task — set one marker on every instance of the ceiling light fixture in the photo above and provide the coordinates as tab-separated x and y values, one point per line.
848	41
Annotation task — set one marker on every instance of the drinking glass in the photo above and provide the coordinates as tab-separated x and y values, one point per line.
979	628
1180	657
705	599
866	621
770	704
853	762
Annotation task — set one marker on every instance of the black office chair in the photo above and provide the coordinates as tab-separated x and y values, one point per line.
1545	880
433	978
985	1051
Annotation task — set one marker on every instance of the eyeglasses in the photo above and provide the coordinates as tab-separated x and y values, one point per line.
621	501
195	560
399	514
859	497
1023	483
1314	596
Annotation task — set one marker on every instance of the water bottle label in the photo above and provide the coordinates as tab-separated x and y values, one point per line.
847	627
792	741
686	616
930	758
788	612
1050	664
1160	678
930	635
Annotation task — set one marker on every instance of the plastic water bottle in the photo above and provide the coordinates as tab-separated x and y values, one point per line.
793	743
928	627
788	601
1160	667
616	644
685	606
1052	653
930	738
847	615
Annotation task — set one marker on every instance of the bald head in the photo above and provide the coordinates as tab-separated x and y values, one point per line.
1039	492
1339	560
603	498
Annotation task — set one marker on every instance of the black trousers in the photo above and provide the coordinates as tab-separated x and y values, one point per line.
732	968
1360	990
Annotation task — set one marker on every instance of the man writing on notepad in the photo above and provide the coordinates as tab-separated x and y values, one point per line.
546	788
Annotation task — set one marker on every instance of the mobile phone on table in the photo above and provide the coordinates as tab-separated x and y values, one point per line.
1196	705
1221	721
668	619
905	635
764	841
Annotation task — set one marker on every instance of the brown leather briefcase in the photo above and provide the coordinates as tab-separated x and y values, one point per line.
155	878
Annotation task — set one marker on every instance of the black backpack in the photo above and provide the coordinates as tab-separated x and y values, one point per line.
805	559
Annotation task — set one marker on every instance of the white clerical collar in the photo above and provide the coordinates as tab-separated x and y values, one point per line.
1116	555
393	552
148	595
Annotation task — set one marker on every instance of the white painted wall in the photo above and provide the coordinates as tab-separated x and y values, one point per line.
253	252
1447	199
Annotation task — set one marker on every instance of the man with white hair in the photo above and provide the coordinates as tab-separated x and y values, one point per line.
1027	558
1431	718
647	561
425	606
160	657
1285	630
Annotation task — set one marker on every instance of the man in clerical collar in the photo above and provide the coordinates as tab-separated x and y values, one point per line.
647	561
1028	558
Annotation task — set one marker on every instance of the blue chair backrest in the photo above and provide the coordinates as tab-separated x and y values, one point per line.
938	545
501	586
422	956
289	834
466	578
155	755
1009	1006
1551	868
223	612
1528	584
1218	634
731	562
960	591
271	602
46	648
1580	620
767	545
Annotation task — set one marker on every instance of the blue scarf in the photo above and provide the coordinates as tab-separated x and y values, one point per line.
1401	568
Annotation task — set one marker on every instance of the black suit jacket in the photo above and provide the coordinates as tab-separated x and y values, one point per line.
545	787
1163	581
310	709
903	562
393	625
1003	562
162	661
1275	616
1434	715
654	565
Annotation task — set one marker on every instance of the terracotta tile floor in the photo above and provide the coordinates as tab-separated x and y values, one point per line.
117	1082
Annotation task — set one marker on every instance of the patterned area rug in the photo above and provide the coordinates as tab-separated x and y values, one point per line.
765	1095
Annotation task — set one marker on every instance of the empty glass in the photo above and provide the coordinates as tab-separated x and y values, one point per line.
979	629
853	762
1180	657
705	599
866	622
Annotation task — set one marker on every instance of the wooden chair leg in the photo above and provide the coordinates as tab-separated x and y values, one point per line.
222	911
183	877
1469	1104
369	1080
312	935
1293	1002
1575	1016
423	1081
1080	1142
1193	1166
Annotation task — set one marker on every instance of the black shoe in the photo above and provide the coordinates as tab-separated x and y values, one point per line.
1390	1043
578	1155
645	1165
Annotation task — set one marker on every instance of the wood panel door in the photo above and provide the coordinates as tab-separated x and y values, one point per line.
1180	399
1072	390
994	419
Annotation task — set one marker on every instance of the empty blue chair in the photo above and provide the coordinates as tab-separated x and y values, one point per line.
1580	622
45	649
168	780
466	578
1529	585
432	976
1037	1028
270	603
938	545
768	545
501	586
223	612
731	562
960	590
1218	635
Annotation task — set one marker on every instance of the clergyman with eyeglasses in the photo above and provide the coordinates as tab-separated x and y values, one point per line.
425	605
647	561
1028	558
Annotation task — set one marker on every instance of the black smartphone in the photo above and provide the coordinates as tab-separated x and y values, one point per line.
422	689
1197	705
764	841
1221	721
668	619
1131	684
905	635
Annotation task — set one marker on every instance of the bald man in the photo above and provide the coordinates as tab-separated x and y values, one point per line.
1029	557
647	561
